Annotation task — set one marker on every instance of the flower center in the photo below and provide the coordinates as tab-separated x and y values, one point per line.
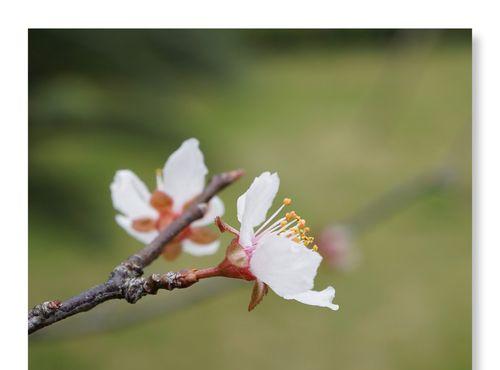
290	226
164	206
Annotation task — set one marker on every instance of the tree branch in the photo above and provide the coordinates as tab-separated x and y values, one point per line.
126	281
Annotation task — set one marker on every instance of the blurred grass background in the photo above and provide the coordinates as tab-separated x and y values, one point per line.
342	115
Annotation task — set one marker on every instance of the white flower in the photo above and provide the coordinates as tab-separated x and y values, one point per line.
144	215
277	254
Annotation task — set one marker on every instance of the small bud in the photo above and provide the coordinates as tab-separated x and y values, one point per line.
336	246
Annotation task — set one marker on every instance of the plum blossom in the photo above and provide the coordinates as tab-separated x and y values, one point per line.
277	254
336	245
143	214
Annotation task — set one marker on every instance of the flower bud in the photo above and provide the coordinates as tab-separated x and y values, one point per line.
336	247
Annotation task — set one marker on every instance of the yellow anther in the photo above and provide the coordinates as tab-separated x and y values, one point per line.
306	229
287	201
315	248
288	216
283	223
302	223
293	214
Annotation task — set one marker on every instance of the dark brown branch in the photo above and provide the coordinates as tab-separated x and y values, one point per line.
125	281
113	319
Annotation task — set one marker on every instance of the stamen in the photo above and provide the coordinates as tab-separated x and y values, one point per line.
288	233
291	226
159	178
315	248
278	224
286	202
275	227
269	220
286	228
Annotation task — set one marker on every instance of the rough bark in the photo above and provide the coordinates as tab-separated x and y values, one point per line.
126	281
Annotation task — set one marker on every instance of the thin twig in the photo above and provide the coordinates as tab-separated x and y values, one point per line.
125	281
379	209
399	197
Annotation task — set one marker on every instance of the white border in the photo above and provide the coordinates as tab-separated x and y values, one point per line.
486	158
14	191
246	14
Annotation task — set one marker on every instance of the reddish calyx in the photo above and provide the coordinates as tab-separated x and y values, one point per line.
236	264
166	215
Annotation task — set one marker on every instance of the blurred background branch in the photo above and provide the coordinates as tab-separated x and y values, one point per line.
342	115
374	212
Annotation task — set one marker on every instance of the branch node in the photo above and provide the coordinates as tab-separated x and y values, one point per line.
128	269
45	309
185	278
126	279
133	290
203	207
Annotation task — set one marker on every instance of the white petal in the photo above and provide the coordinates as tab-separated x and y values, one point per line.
240	203
254	204
144	237
130	196
215	208
184	173
287	267
196	249
323	298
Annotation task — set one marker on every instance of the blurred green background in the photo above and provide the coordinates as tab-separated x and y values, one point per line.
342	115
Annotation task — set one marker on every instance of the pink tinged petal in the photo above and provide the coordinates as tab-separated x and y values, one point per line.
184	173
196	249
130	196
215	209
287	267
144	237
323	298
254	204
